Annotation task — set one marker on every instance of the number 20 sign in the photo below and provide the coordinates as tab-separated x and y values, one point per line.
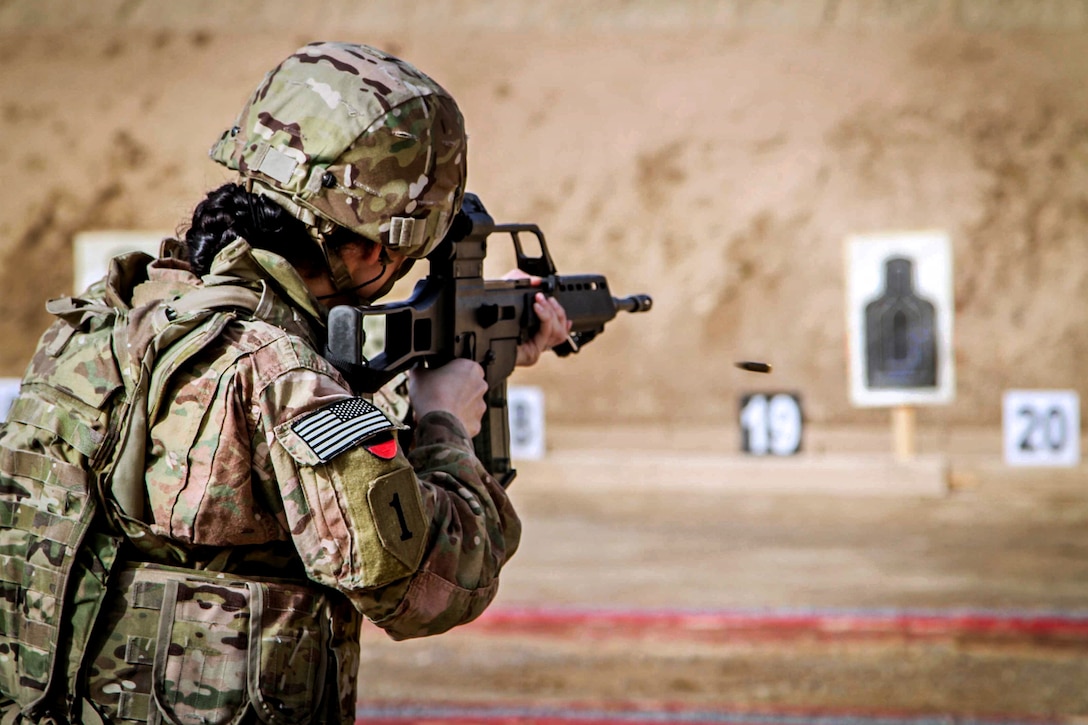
771	423
1041	427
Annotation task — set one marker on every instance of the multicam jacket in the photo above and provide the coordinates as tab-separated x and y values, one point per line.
266	474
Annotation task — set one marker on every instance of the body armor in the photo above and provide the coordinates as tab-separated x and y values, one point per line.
80	620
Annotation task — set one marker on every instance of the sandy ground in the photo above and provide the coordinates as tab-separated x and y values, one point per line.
1013	541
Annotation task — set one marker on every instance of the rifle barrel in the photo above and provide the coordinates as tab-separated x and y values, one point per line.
634	303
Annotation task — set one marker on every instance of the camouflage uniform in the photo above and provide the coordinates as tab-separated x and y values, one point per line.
414	542
276	506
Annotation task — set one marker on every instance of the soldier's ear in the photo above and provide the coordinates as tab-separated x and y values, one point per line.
372	252
362	251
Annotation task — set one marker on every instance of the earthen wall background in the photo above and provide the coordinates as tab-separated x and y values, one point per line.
712	154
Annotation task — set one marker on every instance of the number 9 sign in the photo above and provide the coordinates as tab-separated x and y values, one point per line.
1041	427
771	423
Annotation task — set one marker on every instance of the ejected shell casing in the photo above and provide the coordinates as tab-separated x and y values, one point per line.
754	367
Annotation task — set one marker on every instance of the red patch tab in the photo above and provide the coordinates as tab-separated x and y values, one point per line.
385	450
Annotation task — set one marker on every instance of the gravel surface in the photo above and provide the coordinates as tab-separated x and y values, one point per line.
1012	542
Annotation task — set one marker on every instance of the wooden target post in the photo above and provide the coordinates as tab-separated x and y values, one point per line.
903	432
899	321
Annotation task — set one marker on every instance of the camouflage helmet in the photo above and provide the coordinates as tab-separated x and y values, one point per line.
342	134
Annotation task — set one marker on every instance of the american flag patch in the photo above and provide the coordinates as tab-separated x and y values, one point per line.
340	426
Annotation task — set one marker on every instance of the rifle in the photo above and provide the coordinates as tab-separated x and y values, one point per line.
454	312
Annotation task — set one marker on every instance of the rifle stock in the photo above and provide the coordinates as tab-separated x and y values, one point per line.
454	312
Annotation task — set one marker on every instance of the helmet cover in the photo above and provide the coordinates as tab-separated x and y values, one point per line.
345	134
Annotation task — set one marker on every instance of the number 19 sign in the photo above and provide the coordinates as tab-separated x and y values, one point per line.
1041	427
771	423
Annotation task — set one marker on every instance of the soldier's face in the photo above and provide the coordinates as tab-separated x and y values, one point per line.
373	271
375	278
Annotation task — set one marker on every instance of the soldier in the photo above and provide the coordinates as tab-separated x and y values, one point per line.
207	554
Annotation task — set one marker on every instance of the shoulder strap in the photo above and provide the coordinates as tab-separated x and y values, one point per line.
222	297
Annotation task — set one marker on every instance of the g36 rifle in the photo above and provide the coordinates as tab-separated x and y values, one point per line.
454	312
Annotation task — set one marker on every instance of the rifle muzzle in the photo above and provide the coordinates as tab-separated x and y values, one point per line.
634	303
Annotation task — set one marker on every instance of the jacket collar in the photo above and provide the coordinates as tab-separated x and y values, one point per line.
286	300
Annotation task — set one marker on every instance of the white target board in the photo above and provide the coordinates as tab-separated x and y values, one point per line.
525	408
1041	427
9	390
94	250
899	319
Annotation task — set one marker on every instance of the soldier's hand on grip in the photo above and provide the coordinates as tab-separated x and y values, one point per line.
458	387
554	330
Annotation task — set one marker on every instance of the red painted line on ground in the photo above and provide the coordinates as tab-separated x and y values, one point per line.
825	623
449	713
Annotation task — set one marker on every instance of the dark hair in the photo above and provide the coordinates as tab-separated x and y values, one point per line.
230	212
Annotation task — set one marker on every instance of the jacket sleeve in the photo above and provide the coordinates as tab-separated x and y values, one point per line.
415	541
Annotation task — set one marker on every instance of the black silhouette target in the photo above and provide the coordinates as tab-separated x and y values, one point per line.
900	318
900	332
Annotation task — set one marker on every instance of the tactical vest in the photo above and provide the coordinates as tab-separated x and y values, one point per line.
71	504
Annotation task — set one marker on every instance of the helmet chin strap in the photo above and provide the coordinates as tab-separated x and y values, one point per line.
350	290
339	274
